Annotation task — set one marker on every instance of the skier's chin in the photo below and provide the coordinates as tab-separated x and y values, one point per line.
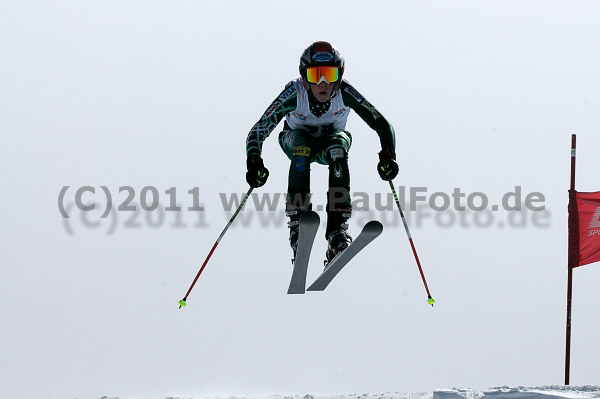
322	96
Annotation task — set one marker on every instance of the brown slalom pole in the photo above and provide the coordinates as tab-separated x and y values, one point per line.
183	301
573	260
430	299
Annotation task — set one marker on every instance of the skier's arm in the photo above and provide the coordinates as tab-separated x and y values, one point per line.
279	108
370	115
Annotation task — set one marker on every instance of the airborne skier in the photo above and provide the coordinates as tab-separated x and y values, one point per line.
316	107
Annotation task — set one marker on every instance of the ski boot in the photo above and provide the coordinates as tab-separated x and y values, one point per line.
337	241
337	235
294	226
294	233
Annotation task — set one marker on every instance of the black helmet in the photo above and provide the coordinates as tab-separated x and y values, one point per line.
321	53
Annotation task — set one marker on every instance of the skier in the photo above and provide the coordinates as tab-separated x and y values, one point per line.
316	107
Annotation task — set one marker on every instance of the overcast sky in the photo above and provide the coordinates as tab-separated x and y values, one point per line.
483	97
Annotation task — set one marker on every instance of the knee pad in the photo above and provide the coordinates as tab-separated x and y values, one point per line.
301	151
337	158
337	154
300	157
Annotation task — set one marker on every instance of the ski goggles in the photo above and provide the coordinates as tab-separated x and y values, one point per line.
318	74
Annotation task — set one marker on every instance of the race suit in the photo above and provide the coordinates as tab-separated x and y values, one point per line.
315	132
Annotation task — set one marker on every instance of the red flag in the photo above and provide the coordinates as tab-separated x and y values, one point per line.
584	228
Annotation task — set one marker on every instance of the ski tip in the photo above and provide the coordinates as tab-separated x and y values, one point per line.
430	301
182	303
374	226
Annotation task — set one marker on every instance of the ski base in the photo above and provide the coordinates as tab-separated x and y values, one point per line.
371	231
309	224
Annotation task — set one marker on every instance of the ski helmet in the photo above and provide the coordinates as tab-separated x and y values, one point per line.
321	54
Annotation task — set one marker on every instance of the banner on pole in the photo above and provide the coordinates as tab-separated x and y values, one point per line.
584	228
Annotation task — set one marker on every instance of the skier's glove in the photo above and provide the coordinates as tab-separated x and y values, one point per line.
257	174
387	166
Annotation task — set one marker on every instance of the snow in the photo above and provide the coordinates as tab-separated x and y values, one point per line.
547	392
505	392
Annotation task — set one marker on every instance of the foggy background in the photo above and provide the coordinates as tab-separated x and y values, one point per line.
482	96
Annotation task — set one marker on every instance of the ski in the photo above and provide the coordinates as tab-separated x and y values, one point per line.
309	224
371	231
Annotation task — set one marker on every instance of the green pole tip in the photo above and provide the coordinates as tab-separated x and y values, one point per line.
430	301
181	303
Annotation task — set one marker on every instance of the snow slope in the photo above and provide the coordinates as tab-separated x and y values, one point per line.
545	392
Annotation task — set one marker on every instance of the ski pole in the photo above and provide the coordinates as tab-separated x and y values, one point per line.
430	299
182	302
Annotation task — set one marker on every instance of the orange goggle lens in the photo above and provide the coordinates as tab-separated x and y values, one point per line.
315	74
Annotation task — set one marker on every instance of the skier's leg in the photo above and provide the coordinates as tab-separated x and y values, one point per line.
339	206
297	145
339	203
